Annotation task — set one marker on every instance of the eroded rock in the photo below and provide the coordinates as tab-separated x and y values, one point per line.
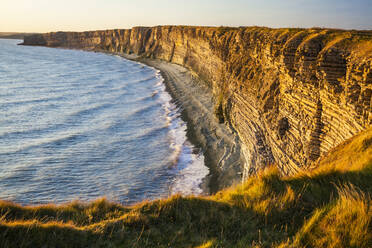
290	94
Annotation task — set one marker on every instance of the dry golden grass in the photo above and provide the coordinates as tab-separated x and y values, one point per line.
327	207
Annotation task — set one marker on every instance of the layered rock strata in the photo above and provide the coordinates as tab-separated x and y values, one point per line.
290	94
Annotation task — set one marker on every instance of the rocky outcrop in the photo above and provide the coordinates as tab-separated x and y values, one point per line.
290	94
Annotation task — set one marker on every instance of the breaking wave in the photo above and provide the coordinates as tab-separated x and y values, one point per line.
81	125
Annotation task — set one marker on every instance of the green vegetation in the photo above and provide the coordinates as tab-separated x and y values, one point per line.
329	206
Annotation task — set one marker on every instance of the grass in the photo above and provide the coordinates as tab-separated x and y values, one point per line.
329	206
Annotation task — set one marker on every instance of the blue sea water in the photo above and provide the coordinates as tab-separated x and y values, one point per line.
78	125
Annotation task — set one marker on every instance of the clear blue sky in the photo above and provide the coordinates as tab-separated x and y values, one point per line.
79	15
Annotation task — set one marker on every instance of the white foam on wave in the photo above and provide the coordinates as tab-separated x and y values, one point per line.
188	168
189	178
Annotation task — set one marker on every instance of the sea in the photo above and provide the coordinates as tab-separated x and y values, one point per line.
78	125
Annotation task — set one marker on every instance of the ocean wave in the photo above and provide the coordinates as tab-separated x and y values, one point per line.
52	142
27	132
188	179
144	80
188	168
142	111
90	110
80	126
152	133
31	101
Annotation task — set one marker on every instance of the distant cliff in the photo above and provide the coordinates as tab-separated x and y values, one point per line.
290	94
11	35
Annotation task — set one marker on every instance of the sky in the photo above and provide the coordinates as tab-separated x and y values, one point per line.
82	15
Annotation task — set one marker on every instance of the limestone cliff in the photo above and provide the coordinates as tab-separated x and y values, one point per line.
290	94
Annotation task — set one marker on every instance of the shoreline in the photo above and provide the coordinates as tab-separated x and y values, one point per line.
219	144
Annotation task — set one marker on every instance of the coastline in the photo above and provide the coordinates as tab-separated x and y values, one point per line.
290	94
294	101
219	144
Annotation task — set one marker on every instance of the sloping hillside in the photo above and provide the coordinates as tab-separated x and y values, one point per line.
326	207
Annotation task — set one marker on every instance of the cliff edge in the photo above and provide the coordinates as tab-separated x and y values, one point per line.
290	94
329	206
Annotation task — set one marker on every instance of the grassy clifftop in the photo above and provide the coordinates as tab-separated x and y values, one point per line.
13	35
327	207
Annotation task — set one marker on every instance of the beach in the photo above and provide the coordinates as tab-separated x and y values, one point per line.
219	143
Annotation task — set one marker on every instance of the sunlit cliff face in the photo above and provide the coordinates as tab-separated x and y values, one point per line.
290	94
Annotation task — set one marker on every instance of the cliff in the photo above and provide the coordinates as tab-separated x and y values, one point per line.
12	35
290	94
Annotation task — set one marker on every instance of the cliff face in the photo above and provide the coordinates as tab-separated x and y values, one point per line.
290	94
